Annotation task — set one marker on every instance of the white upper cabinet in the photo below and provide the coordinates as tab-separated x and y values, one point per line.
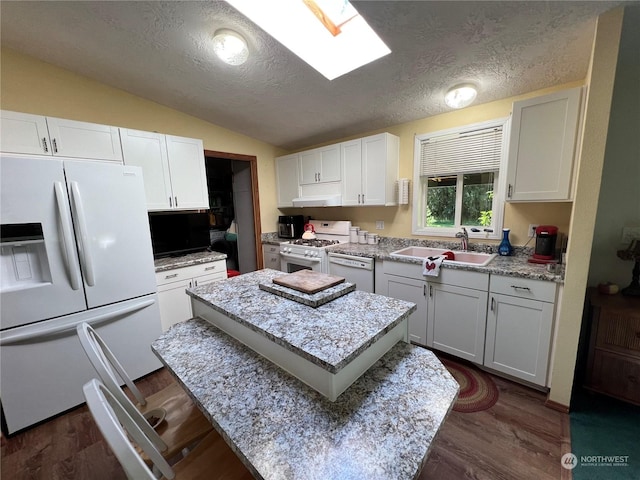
542	147
24	133
35	134
173	169
370	170
84	140
188	172
320	165
287	186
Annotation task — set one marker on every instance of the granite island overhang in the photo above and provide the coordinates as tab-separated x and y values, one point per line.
327	347
382	427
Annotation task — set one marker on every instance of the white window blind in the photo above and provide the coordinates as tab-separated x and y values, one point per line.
465	152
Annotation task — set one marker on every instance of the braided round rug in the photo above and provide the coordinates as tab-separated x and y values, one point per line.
477	390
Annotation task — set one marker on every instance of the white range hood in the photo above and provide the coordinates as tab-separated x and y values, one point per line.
318	201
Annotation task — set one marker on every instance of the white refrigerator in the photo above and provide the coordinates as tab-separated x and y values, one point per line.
75	247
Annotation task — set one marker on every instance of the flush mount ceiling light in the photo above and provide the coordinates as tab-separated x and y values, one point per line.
460	96
330	35
230	47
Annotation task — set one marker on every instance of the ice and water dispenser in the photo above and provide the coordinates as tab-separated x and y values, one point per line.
24	256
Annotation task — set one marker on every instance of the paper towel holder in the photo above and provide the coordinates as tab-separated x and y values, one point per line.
403	191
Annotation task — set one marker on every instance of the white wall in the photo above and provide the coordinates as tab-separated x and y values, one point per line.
619	203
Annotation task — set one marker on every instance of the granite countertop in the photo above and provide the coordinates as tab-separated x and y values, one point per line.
169	263
272	238
514	266
330	336
382	427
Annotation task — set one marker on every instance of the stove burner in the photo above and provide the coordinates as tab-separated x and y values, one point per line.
314	243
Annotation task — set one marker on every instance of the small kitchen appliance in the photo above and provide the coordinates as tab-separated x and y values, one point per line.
546	236
290	226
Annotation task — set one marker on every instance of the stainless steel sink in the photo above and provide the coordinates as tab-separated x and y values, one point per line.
461	258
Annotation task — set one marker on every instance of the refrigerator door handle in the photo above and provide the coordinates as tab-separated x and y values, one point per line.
87	259
37	332
67	235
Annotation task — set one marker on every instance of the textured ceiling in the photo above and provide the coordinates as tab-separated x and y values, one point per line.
162	51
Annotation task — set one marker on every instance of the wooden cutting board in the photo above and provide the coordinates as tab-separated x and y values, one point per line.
307	281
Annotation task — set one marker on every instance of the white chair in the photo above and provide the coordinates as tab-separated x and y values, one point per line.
183	423
212	459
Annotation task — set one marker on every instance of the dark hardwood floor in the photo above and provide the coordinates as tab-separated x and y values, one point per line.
518	438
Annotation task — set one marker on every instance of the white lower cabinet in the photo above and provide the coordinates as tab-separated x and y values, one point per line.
175	304
271	256
519	326
414	291
504	323
457	318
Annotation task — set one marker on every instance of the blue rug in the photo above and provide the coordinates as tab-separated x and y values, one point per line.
605	438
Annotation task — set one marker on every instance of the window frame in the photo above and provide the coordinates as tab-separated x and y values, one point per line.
420	190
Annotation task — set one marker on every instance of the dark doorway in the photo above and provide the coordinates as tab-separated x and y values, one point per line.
234	209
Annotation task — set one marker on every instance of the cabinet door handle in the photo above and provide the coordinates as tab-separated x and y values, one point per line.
510	192
521	288
55	145
44	144
210	268
318	176
493	304
430	291
424	290
358	199
176	199
170	202
173	275
363	198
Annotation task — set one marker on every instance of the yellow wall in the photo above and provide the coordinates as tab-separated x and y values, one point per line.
32	86
397	220
600	82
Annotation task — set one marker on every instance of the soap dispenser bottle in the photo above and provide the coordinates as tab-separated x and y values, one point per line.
505	247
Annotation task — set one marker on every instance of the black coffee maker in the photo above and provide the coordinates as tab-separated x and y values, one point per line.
290	226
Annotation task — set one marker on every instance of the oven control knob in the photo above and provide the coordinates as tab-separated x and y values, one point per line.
314	254
306	253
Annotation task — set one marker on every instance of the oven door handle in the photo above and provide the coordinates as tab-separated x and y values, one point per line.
298	257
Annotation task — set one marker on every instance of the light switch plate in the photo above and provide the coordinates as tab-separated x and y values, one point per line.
379	224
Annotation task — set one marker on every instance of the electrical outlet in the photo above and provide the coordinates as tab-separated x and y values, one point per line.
532	230
379	224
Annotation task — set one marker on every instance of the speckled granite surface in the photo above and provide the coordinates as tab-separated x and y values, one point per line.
313	300
514	266
272	238
380	428
330	336
169	263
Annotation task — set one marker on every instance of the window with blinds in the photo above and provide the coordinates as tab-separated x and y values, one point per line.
456	177
465	152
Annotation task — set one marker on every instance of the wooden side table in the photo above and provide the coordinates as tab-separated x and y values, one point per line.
613	365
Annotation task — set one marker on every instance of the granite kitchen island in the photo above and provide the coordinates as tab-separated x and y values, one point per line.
380	427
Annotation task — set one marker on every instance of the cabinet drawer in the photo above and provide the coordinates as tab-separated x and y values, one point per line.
619	332
616	375
186	273
541	290
461	278
271	249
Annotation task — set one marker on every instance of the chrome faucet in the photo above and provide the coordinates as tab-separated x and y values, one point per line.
464	238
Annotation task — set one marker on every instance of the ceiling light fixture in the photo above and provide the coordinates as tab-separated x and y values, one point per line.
230	47
330	35
460	96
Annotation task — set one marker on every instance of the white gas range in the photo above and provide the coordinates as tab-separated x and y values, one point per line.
303	254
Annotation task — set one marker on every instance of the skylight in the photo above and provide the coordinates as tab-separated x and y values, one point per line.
330	35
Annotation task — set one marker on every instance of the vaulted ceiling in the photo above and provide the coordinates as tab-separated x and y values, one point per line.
162	51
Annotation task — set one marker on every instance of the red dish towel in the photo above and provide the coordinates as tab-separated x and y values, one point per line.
431	265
